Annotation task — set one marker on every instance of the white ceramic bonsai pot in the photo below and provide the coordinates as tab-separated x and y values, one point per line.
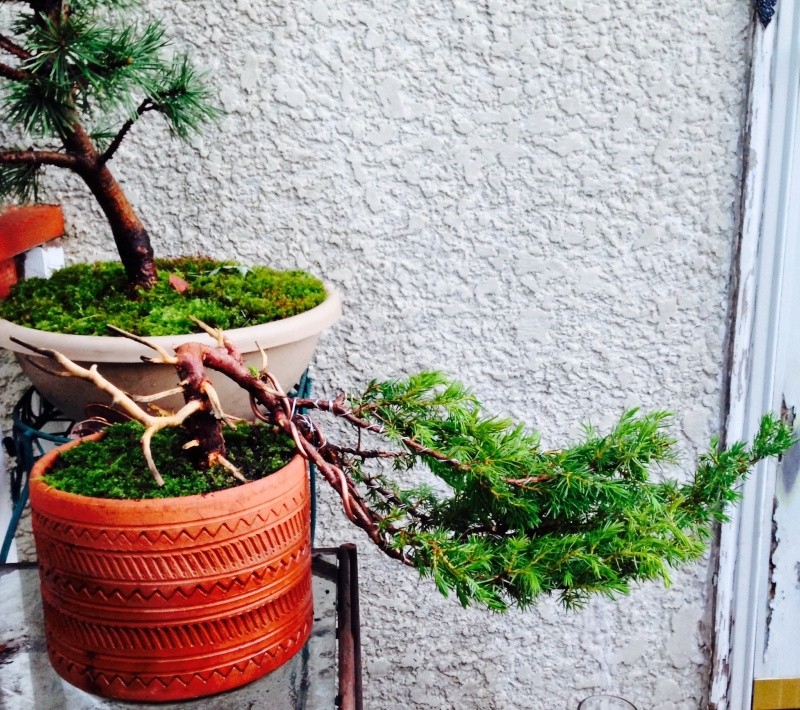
289	344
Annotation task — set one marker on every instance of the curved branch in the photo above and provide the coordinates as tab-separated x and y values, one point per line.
164	358
336	408
9	72
146	105
90	374
355	507
41	157
364	453
13	48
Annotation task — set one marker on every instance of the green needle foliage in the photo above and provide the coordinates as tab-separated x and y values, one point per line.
521	521
91	65
93	62
508	520
20	180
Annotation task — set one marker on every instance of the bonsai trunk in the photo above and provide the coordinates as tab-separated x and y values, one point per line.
130	235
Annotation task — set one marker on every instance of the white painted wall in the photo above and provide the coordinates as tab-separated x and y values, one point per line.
537	197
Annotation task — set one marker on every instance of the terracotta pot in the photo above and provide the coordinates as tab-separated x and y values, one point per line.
161	600
289	344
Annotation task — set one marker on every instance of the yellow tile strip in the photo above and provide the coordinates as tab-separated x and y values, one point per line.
776	694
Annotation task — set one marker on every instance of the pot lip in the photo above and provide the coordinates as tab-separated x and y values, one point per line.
182	504
105	348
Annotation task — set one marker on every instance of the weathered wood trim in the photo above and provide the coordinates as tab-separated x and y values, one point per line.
754	357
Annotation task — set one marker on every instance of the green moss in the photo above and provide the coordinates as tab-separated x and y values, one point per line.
115	467
83	298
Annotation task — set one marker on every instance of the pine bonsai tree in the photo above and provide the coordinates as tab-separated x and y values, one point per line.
78	75
517	521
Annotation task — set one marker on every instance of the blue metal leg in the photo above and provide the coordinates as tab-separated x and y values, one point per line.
30	415
303	389
16	514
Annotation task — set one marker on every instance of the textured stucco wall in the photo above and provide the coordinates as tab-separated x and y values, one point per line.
536	197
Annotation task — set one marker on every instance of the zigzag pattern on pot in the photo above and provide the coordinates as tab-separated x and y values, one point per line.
89	677
69	587
244	551
217	633
73	533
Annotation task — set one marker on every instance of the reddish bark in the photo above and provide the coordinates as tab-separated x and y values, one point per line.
193	358
203	425
130	236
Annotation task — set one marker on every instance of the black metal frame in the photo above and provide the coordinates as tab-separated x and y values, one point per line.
348	622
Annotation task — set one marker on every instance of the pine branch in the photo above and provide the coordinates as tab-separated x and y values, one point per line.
20	170
88	60
338	409
364	453
19	180
183	98
40	157
146	105
12	73
13	48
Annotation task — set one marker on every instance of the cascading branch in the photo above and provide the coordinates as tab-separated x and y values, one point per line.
517	521
521	521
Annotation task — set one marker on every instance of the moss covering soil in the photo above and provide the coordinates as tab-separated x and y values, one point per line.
84	298
114	467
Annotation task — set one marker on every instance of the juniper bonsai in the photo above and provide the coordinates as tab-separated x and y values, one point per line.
79	74
517	521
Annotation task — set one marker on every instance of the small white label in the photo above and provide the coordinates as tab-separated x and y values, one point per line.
43	261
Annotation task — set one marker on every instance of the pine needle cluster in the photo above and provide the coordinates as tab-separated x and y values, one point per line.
88	64
521	521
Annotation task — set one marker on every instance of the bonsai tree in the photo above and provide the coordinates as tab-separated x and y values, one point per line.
77	76
517	521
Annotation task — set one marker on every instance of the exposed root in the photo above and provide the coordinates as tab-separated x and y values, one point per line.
159	423
215	333
222	461
165	357
269	402
216	406
148	456
147	398
264	360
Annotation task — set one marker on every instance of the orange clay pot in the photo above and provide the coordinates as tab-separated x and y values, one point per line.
160	600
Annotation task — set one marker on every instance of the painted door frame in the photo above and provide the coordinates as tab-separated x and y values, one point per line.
770	231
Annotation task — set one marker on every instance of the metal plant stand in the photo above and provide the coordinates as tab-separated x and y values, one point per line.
325	674
37	427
